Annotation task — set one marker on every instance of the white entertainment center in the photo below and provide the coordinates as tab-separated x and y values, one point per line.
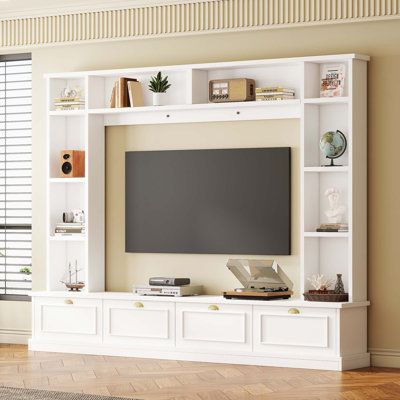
287	333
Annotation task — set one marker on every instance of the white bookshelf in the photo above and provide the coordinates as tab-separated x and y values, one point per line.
187	101
319	335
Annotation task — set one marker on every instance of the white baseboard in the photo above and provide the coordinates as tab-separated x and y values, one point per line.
385	358
15	336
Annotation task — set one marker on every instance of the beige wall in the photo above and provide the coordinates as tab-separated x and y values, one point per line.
124	269
378	39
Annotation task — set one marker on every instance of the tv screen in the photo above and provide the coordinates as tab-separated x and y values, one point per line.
228	201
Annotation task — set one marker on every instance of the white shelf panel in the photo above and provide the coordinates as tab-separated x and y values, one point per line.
67	113
205	112
326	100
230	64
193	107
67	180
326	169
326	234
71	238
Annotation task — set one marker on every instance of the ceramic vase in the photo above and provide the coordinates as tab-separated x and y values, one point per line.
339	287
159	98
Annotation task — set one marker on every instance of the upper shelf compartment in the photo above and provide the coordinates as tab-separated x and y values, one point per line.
101	86
77	85
313	72
287	75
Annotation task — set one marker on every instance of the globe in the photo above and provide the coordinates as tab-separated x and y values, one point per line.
333	145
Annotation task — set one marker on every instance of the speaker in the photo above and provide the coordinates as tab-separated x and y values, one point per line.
72	164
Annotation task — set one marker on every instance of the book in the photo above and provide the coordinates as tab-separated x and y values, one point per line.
274	89
69	107
333	228
68	99
69	230
69	226
68	234
112	99
275	94
121	92
135	94
116	91
332	80
271	98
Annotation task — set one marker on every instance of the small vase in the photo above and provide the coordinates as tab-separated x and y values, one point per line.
158	99
339	287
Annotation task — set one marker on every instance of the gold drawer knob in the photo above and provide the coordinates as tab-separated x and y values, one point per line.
68	301
294	311
213	307
138	304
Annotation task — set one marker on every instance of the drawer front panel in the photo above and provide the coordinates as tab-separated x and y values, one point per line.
228	327
214	327
294	330
60	319
68	319
309	331
139	322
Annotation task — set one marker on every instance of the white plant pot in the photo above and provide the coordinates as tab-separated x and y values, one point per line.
159	99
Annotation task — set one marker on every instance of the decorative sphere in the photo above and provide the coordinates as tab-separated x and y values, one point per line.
333	144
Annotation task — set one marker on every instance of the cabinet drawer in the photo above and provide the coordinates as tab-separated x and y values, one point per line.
72	319
214	326
139	322
308	330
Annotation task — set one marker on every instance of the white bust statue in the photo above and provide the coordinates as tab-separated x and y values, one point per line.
336	210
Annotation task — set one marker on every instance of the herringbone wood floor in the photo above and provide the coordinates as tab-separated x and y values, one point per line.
181	380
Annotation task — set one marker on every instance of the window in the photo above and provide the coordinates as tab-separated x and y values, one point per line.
15	176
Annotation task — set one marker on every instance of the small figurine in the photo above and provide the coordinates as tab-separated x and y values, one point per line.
339	287
336	210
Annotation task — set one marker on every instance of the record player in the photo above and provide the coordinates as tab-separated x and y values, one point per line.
261	280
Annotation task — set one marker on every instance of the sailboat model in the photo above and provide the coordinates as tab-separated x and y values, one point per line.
70	278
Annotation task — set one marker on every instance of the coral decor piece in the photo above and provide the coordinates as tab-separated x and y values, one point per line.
320	282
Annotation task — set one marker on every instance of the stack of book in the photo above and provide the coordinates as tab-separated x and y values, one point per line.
69	103
127	92
70	228
333	228
274	93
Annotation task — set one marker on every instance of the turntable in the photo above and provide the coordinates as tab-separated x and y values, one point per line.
261	280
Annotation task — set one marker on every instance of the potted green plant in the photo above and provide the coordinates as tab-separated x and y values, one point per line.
26	271
159	86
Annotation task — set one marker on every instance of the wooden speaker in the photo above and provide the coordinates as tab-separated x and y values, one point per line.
72	164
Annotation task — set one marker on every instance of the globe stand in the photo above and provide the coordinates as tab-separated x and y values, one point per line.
332	164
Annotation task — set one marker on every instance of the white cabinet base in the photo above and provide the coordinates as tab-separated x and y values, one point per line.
328	363
328	336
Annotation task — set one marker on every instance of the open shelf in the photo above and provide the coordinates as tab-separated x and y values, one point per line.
327	255
319	119
67	113
326	100
67	180
68	238
327	234
327	169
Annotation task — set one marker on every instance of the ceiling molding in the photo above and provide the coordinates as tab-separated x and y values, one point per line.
11	11
168	18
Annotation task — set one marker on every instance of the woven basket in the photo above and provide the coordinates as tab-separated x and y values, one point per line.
325	295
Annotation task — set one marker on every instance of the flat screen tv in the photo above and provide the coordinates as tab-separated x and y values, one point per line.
224	201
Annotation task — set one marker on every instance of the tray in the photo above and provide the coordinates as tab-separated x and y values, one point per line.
327	295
